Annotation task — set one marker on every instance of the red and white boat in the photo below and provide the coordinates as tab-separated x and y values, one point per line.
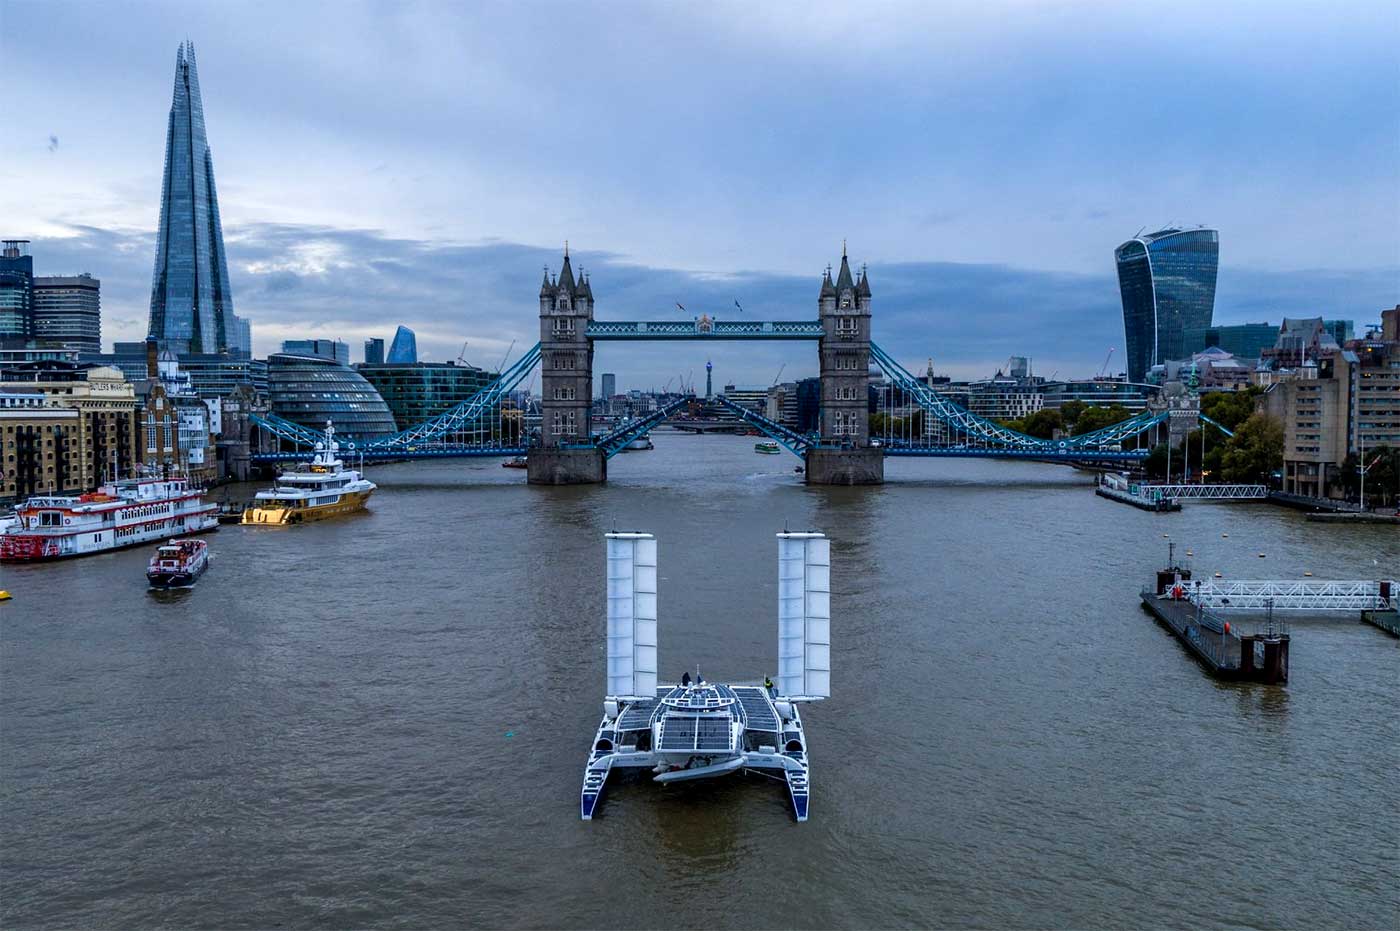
124	513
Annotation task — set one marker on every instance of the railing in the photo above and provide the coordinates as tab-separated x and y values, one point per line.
1294	595
704	329
1212	492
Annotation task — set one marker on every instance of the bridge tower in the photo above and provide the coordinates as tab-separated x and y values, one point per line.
845	456
566	384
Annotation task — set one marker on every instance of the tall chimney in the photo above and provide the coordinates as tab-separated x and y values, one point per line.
152	367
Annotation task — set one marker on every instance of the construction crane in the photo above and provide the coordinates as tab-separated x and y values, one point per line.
779	375
1104	368
462	356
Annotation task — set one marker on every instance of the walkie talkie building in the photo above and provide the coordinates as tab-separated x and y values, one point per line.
1167	280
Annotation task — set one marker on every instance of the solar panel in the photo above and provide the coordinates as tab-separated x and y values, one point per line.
712	733
757	710
637	717
678	734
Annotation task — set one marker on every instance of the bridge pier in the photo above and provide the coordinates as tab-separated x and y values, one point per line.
567	467
860	466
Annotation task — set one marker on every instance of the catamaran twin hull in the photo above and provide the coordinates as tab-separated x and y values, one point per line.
700	730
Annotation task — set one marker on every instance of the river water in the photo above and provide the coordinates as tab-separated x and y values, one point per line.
382	720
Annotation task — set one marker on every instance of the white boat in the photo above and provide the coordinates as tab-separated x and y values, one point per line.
697	729
124	513
641	442
178	564
320	488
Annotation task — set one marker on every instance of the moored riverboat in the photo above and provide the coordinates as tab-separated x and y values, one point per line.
124	513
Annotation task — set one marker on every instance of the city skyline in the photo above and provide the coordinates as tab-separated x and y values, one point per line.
309	261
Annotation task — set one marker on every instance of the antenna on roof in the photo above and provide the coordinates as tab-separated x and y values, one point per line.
1139	232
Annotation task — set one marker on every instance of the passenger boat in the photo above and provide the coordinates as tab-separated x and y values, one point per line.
769	448
519	462
178	564
641	442
320	488
695	729
123	513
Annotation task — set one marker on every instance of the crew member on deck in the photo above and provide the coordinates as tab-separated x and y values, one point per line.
685	678
768	684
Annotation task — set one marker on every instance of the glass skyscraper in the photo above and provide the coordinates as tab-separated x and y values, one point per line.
191	301
1167	280
404	348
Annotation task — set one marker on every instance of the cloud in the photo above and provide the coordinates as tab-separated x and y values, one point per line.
296	281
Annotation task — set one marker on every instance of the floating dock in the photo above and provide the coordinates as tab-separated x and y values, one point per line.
1117	488
1225	652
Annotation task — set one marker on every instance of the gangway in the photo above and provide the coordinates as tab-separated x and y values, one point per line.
1306	595
1204	492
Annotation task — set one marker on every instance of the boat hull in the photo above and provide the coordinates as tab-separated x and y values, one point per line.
722	768
40	548
274	517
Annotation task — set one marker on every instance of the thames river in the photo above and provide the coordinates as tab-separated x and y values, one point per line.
383	720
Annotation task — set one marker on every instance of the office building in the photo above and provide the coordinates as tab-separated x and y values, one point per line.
422	390
191	300
332	349
16	294
1245	340
1096	392
404	348
1167	283
68	312
39	445
210	374
609	386
374	351
310	390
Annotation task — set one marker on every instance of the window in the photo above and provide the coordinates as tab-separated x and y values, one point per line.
564	424
846	326
564	361
564	326
564	393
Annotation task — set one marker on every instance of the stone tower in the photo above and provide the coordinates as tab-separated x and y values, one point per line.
566	383
845	357
566	357
845	456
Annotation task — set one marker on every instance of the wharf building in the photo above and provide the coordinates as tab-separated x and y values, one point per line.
191	298
418	391
1333	401
1167	283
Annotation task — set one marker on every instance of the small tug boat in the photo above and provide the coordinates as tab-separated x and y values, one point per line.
320	488
519	462
696	729
178	564
769	448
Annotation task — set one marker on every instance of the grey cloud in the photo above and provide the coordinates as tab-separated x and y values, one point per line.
327	282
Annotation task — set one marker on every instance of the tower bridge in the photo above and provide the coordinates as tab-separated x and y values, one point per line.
840	451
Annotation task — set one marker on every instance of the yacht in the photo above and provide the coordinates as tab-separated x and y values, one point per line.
695	729
320	488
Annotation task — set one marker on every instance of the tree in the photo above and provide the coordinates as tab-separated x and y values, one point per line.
1255	452
1096	418
1043	424
1071	410
1382	475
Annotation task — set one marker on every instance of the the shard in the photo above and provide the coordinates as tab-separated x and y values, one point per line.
191	301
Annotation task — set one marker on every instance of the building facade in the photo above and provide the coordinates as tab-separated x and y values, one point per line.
609	385
16	294
309	390
420	391
1245	340
374	351
191	300
1167	283
40	447
68	312
404	348
332	349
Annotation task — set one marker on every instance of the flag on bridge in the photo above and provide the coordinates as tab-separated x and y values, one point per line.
681	306
738	305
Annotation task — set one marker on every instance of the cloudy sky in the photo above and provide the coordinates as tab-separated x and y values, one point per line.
419	163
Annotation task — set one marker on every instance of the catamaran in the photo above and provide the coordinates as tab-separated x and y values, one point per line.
696	729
